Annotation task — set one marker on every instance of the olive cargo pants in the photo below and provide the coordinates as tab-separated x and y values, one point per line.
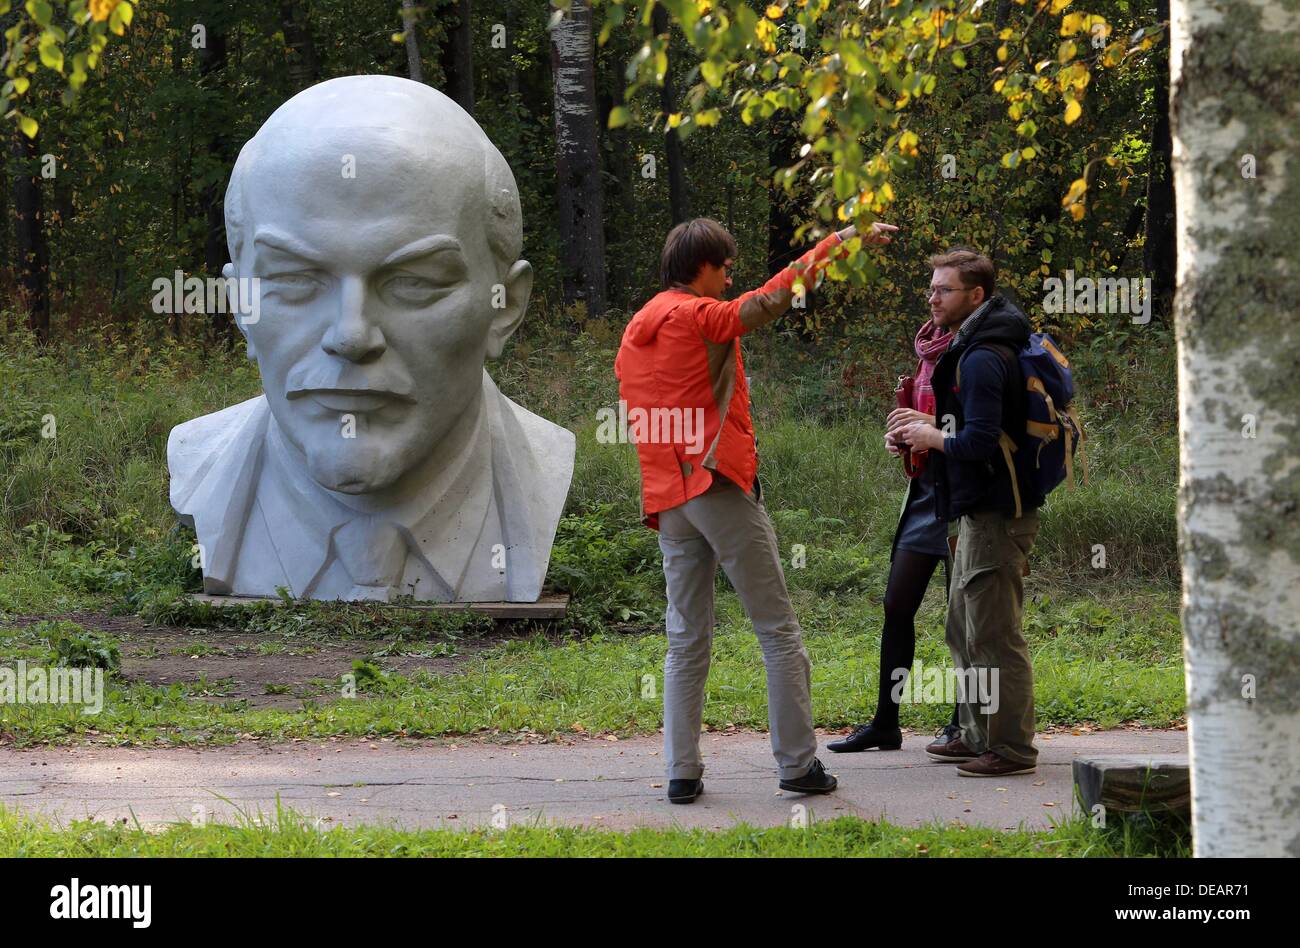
986	637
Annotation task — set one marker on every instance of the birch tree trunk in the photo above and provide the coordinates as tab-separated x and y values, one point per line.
577	161
413	66
1236	143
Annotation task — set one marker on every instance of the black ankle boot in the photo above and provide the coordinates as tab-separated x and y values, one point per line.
867	736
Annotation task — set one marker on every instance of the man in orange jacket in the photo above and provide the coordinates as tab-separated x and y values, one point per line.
682	382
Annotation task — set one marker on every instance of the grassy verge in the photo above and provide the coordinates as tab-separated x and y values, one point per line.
1093	663
287	833
84	525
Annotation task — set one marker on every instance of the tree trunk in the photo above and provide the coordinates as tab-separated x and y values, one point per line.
29	227
512	75
672	141
577	162
304	68
1159	250
212	64
458	58
1236	91
414	69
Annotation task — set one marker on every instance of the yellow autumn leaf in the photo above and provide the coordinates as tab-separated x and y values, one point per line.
774	12
1059	5
1072	111
100	9
1071	23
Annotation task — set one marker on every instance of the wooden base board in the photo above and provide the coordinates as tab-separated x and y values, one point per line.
552	606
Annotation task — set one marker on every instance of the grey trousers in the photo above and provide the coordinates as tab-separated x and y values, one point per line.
730	526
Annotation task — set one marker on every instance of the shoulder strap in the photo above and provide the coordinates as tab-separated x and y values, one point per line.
1003	350
1005	441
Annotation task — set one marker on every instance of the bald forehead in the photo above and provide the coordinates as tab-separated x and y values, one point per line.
377	102
360	149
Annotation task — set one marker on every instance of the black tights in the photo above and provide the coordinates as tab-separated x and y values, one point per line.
909	576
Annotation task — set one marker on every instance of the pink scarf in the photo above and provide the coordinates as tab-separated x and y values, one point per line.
932	340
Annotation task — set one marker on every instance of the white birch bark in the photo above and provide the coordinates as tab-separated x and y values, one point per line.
1236	113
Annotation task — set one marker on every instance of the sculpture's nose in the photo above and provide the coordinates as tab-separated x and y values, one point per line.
351	335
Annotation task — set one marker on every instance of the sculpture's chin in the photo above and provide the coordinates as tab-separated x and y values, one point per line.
350	478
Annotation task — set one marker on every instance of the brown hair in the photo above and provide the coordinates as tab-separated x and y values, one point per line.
975	268
690	245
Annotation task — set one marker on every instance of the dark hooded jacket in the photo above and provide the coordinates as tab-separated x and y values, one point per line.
971	473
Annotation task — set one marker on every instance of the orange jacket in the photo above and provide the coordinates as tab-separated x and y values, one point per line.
682	380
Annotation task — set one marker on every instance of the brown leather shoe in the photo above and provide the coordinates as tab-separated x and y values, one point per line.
949	751
991	765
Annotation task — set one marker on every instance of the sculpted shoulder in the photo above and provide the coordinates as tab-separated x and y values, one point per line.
195	445
552	445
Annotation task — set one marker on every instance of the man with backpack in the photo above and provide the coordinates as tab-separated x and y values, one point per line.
985	478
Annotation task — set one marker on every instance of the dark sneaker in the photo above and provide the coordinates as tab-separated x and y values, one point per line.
684	791
949	751
991	765
816	780
868	736
949	732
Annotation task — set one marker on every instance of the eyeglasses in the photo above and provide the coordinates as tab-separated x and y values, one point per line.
945	290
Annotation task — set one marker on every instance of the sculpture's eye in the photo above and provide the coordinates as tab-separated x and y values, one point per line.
413	290
296	287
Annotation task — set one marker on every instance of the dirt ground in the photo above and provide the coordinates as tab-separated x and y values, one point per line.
267	672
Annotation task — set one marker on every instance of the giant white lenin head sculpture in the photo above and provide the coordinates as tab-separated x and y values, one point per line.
379	232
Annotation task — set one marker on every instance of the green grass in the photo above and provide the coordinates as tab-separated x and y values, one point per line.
1093	663
286	833
85	524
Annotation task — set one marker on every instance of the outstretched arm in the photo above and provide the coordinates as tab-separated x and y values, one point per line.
722	321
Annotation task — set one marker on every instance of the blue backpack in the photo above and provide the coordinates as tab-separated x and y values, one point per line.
1042	456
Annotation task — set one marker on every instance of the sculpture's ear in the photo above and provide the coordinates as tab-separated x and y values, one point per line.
231	278
506	318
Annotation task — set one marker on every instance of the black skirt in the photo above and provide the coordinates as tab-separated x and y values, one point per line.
918	529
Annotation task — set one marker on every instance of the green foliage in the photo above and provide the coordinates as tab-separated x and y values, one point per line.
289	833
367	675
78	45
310	618
600	562
111	565
72	645
851	73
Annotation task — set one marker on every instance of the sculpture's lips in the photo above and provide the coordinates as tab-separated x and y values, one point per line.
351	399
